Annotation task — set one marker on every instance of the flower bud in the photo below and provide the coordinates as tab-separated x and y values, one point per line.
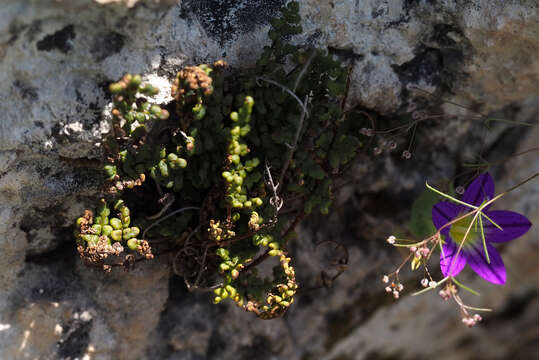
135	81
133	244
127	234
125	211
235	159
116	88
172	157
107	229
200	111
235	131
231	290
116	235
224	294
237	204
163	168
415	263
118	204
150	90
110	171
224	267
238	180
96	228
141	117
223	253
116	223
155	110
90	239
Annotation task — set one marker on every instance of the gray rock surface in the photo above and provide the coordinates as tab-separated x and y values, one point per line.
56	59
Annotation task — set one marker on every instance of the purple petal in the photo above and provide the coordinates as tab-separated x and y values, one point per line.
451	264
442	213
480	189
513	224
493	272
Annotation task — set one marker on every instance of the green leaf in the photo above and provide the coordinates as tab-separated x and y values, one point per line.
420	223
343	150
316	172
449	196
470	290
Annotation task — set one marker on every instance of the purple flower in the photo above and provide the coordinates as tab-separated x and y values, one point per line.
513	226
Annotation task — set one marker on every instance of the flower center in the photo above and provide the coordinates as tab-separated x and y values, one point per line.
459	229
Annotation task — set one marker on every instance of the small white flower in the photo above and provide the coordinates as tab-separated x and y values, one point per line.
406	154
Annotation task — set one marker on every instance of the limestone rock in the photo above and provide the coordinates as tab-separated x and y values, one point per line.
56	60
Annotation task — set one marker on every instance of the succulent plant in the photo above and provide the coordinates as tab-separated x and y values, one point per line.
236	147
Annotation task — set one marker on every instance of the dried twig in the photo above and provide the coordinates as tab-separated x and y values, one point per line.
312	54
303	106
276	201
296	139
168	203
167	216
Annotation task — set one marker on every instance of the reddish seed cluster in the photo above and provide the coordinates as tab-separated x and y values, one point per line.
394	288
471	321
421	252
448	292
